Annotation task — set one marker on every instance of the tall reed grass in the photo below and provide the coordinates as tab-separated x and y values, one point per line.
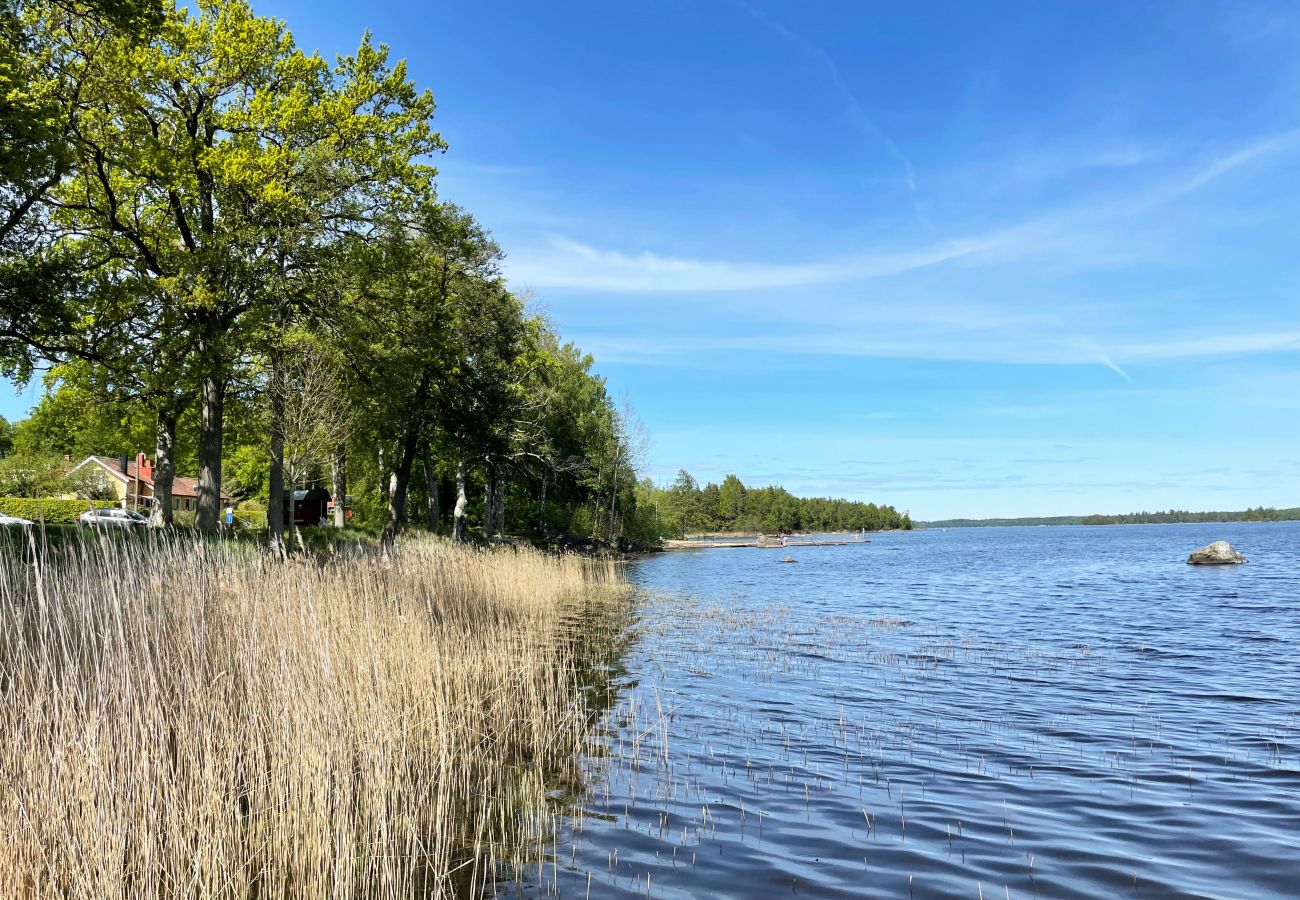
190	719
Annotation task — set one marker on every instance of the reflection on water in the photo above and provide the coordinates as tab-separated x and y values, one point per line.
591	641
1060	712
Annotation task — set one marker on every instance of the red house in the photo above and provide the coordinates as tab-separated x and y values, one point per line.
309	507
132	482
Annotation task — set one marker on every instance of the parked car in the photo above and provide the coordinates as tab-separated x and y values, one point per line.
14	520
114	517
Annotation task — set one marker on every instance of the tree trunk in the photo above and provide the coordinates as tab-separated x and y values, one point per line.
613	499
291	520
392	495
489	500
462	503
164	468
275	518
499	508
383	477
401	484
432	481
340	473
208	516
541	512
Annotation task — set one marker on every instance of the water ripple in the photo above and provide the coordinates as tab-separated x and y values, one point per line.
1063	712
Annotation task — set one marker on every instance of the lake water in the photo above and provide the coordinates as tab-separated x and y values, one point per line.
987	712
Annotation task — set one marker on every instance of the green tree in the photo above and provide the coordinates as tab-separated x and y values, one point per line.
731	501
427	328
225	153
41	102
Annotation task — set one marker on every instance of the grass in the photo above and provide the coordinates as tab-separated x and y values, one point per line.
186	718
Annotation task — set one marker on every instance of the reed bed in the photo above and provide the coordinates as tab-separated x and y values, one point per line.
191	719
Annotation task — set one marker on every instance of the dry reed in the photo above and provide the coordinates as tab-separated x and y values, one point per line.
190	719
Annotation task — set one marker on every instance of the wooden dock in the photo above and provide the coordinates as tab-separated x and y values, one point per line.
767	544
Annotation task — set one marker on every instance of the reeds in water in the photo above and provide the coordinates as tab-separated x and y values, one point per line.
191	719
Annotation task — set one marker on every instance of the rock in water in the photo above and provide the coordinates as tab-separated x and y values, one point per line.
1220	553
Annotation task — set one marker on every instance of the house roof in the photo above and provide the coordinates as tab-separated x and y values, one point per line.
182	485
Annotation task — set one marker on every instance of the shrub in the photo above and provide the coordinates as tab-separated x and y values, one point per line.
49	509
251	511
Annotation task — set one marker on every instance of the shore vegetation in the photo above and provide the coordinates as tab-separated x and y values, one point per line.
196	718
1168	517
686	507
231	255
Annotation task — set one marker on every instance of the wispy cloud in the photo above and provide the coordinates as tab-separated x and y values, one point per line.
1104	358
865	124
1285	338
1074	232
988	347
572	264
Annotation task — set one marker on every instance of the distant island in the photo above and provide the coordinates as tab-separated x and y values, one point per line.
1173	516
733	508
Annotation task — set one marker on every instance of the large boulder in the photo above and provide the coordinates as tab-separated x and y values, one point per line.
1220	553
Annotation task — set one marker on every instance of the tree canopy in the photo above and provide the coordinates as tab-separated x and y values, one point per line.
231	255
687	508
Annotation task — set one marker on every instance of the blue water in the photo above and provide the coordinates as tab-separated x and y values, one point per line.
1000	712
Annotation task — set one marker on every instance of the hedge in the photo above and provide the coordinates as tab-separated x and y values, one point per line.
49	510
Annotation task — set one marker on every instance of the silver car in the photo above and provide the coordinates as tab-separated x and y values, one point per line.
14	520
114	517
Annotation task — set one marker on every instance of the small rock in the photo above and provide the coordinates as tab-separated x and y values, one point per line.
1220	553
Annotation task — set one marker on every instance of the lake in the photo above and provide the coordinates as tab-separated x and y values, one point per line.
984	712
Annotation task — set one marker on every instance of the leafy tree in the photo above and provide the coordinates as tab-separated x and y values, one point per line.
207	171
734	507
731	500
171	243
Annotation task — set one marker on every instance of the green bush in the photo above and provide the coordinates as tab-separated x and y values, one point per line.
251	511
49	510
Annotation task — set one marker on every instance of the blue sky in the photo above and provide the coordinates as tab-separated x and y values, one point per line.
968	259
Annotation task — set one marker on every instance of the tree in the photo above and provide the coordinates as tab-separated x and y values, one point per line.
6	437
731	500
40	106
227	152
423	328
310	420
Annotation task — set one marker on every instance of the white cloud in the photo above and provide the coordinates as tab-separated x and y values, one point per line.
1019	348
1087	235
567	263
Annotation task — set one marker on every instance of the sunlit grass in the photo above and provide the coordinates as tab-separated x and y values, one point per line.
189	719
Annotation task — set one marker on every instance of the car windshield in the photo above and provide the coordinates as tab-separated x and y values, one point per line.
135	515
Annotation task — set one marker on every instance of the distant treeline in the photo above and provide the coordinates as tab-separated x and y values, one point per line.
1255	514
687	508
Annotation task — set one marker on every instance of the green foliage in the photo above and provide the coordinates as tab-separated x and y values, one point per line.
6	437
77	417
40	475
646	523
44	509
189	203
687	508
253	512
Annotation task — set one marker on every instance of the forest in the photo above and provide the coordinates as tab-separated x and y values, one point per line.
1173	516
731	507
236	265
237	262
